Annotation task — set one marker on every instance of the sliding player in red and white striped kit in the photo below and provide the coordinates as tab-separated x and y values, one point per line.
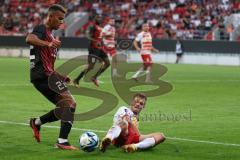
124	131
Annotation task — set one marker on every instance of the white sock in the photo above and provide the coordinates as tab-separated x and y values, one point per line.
61	140
114	132
137	73
114	71
148	76
38	122
146	143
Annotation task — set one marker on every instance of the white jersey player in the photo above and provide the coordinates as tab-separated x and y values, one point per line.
109	43
145	39
108	34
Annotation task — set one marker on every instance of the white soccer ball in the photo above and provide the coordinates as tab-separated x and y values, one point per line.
88	141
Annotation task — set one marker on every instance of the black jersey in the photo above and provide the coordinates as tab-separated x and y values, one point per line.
96	37
42	58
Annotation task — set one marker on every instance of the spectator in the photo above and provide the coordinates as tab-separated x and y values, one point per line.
185	18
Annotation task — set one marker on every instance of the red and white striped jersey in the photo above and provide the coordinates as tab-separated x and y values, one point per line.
108	34
121	113
145	38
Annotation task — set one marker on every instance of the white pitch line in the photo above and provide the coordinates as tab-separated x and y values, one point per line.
107	81
15	85
47	126
101	131
200	141
170	81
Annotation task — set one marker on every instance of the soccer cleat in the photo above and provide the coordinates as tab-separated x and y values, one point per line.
65	146
129	148
149	81
95	81
135	79
116	75
35	129
75	82
104	144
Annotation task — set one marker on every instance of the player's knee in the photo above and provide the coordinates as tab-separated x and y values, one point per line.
147	65
73	104
90	67
106	64
159	138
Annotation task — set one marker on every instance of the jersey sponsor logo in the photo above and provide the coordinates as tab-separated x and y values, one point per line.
32	65
31	57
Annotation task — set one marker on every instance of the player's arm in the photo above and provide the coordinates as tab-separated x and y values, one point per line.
34	40
90	31
135	44
126	121
121	116
37	37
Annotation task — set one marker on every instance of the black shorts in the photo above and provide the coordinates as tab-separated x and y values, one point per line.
179	54
50	88
96	54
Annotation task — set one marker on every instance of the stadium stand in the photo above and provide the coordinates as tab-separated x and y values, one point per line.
187	19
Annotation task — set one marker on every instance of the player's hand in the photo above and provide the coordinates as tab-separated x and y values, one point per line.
139	50
55	43
61	77
126	118
68	80
156	51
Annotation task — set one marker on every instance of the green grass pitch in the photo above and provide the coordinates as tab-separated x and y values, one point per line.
210	93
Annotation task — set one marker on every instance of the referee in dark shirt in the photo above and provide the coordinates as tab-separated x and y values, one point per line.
47	81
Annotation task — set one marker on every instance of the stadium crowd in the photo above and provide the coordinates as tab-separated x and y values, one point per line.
187	19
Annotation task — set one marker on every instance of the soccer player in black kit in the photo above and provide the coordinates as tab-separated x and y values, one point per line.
46	80
95	53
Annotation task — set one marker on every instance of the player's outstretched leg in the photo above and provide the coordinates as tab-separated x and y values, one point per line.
90	66
65	112
112	134
105	64
146	142
137	74
35	123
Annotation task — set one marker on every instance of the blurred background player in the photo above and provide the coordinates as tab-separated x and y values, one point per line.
145	39
109	43
43	54
95	52
179	50
124	132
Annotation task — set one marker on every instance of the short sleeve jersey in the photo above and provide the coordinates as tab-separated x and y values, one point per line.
42	58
